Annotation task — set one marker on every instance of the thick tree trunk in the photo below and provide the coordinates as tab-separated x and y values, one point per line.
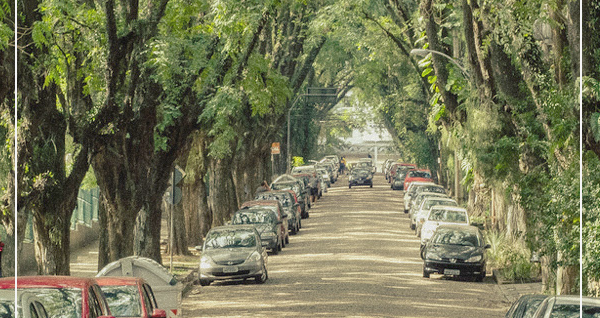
52	241
191	209
147	230
180	244
222	191
206	214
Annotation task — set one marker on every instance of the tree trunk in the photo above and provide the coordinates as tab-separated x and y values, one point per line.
221	191
191	209
206	214
52	241
147	230
180	244
566	278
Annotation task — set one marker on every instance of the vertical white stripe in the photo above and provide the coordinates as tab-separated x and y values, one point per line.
15	155
580	158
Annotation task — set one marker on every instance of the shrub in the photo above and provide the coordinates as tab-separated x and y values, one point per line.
511	257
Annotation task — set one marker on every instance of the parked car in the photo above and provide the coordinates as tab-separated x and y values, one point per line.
360	176
232	252
295	186
424	209
410	192
402	165
417	175
440	215
63	296
130	297
312	182
397	184
416	203
325	178
457	250
28	305
525	306
568	306
331	170
276	207
267	224
290	205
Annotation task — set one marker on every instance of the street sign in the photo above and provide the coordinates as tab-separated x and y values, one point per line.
173	193
322	95
275	148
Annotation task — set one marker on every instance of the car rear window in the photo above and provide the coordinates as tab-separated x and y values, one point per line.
123	301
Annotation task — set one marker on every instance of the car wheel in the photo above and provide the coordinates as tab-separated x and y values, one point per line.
412	226
405	211
371	184
349	186
262	278
204	282
293	230
425	272
287	240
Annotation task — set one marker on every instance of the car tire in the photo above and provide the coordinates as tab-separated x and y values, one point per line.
204	282
412	226
425	272
287	240
371	184
349	186
405	211
262	278
294	230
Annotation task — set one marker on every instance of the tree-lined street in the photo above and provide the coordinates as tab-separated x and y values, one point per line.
354	257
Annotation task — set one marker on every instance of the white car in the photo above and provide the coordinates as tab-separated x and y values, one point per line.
416	203
423	211
410	192
439	215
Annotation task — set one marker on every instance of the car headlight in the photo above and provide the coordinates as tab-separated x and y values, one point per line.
205	262
474	259
254	257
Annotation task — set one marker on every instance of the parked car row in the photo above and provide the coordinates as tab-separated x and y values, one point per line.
239	250
449	244
66	296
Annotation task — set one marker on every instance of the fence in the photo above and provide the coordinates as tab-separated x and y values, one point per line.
85	213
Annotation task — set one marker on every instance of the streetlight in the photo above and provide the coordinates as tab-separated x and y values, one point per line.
423	52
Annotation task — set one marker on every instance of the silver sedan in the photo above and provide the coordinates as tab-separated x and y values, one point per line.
232	252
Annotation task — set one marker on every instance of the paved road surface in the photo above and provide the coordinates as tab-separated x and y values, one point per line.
354	257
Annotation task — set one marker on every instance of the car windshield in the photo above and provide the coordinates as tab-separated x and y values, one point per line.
254	216
303	170
455	237
282	186
360	172
283	198
230	239
60	302
123	301
572	311
429	203
363	164
448	216
419	174
435	189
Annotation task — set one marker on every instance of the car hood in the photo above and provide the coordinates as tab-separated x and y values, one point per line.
262	228
223	255
453	251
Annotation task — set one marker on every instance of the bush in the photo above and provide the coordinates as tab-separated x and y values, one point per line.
511	257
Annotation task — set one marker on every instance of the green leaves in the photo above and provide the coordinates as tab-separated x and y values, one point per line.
595	125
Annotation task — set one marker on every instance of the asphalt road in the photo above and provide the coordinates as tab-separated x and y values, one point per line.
354	257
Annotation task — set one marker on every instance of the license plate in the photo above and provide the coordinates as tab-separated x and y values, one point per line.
230	269
451	272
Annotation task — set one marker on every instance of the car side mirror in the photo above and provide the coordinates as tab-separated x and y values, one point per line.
487	246
159	313
198	248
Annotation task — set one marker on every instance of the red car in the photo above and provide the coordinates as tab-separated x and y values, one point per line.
64	296
130	297
417	175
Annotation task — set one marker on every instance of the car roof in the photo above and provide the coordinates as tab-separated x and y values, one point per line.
234	227
433	194
43	281
458	226
574	300
119	281
260	202
447	207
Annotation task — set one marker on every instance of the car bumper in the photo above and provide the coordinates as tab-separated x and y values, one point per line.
361	182
455	269
222	272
